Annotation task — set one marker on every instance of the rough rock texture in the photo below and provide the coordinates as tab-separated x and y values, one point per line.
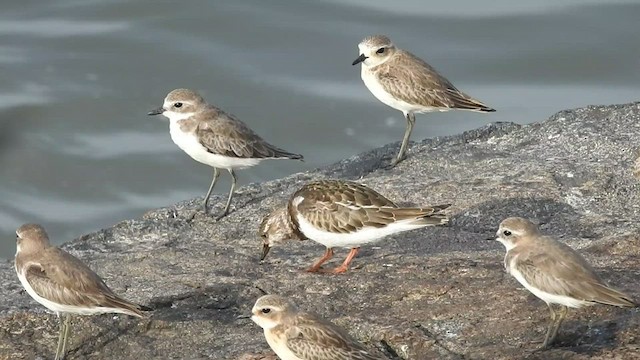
435	293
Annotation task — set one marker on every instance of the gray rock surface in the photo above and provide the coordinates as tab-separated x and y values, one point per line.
434	293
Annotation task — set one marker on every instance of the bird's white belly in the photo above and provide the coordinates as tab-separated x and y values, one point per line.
386	98
545	296
189	143
351	240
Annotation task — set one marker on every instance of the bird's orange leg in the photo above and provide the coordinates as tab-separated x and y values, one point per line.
327	255
345	265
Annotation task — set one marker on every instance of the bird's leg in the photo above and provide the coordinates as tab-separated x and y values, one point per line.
411	120
67	326
62	338
345	265
550	327
216	173
556	326
233	188
327	255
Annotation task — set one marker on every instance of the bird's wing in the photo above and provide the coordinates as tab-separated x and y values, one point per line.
226	135
564	272
341	207
410	79
345	207
63	279
315	339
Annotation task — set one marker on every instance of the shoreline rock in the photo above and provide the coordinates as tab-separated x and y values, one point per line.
431	293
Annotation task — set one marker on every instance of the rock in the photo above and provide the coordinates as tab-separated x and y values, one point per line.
431	293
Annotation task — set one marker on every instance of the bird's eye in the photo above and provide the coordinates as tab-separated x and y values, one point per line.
266	311
177	105
506	233
380	51
264	235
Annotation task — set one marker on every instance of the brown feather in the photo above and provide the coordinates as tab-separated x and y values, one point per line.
224	134
60	277
312	338
556	268
410	79
344	207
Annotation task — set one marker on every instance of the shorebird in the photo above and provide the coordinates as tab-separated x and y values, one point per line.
212	137
553	272
62	283
405	82
338	213
296	335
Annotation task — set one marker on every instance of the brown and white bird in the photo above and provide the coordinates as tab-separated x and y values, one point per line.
62	283
212	137
296	335
553	272
405	82
337	213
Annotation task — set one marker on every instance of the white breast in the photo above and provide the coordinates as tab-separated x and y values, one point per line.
189	143
351	240
545	296
61	308
279	346
381	94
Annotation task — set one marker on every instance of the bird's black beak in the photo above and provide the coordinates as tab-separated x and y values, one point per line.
265	251
157	111
491	238
242	317
360	59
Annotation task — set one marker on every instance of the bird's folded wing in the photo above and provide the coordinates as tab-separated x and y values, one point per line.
62	278
416	82
49	282
230	137
341	207
568	275
324	341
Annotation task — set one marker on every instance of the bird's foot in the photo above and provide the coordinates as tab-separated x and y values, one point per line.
394	162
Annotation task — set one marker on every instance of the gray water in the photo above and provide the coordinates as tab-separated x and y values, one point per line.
78	153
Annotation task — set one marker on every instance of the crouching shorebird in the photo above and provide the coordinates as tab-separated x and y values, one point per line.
405	82
62	283
296	335
553	272
344	214
215	138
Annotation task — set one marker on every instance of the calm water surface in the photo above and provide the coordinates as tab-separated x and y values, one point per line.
78	153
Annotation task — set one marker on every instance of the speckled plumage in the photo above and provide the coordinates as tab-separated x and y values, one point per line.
338	213
298	335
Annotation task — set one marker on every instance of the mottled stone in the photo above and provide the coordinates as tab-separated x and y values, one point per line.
431	293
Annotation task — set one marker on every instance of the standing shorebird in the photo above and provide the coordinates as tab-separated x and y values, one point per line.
405	82
553	272
338	213
62	283
215	138
296	335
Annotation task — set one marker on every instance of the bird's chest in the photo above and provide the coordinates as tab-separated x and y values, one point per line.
188	142
278	344
373	84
